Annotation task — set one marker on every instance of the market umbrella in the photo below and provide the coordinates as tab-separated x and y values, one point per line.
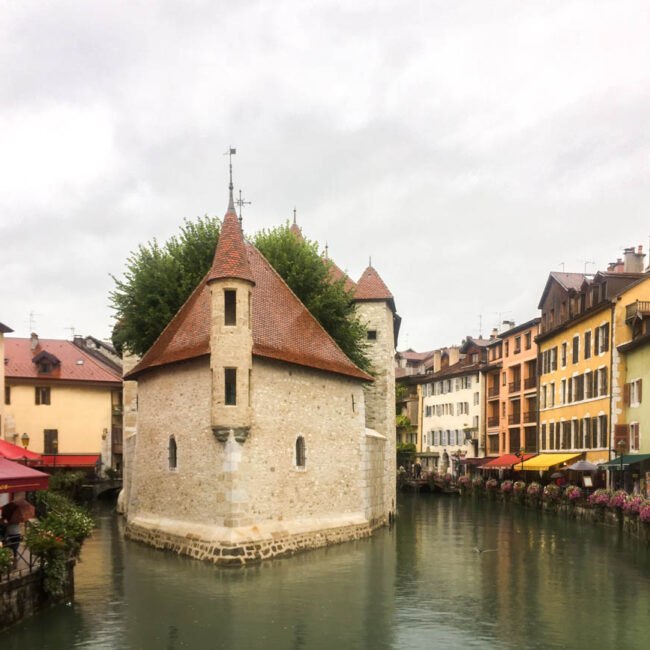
557	475
18	511
583	466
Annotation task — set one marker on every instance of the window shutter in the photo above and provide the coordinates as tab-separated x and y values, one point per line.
605	337
621	438
626	394
596	340
638	390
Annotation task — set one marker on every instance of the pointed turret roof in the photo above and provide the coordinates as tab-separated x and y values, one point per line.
230	258
371	287
283	328
295	228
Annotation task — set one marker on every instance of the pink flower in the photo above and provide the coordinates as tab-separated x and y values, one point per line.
644	514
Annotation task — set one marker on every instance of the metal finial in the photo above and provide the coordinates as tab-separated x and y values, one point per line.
369	260
240	204
231	202
326	251
294	216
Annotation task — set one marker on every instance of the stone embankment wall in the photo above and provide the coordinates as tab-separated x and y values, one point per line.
21	596
254	549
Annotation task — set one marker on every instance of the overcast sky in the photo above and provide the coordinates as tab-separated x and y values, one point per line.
469	147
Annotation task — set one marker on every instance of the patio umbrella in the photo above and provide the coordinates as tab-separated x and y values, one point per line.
18	511
583	466
557	475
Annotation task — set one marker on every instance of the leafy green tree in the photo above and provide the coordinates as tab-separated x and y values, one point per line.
159	279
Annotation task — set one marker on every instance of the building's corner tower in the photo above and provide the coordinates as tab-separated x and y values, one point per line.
231	335
376	308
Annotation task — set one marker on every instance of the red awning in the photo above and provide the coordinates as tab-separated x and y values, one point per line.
70	460
15	477
14	452
507	461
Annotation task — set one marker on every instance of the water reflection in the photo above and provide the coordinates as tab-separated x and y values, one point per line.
550	583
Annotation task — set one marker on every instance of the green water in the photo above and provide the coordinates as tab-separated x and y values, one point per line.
550	583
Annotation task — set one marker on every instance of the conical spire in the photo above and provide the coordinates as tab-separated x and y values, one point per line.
371	287
295	228
230	258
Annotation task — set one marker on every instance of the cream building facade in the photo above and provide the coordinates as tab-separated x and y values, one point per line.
65	399
256	436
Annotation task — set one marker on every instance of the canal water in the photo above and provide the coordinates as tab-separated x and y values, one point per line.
540	582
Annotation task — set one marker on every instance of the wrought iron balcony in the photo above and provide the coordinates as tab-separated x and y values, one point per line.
493	421
530	416
515	386
514	418
530	382
493	391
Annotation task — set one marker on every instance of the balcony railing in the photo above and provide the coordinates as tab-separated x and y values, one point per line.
514	418
515	386
530	416
530	382
639	308
493	391
493	421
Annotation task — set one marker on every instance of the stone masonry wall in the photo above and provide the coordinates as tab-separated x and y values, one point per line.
380	396
129	429
271	498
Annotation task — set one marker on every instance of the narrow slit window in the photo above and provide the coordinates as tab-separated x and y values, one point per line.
231	386
300	451
230	306
172	453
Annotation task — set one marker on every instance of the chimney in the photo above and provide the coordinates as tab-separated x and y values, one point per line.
509	324
454	355
633	261
33	342
619	266
495	333
437	358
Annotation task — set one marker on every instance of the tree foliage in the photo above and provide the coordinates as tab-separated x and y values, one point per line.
159	279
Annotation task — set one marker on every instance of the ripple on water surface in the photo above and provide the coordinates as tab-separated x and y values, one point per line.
450	574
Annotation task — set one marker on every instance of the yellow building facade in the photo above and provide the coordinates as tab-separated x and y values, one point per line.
64	398
574	386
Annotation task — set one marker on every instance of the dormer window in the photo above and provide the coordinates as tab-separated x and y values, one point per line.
44	362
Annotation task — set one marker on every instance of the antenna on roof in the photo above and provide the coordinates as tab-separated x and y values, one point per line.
480	326
562	265
32	320
585	265
71	328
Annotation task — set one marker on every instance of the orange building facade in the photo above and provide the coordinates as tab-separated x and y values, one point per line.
511	390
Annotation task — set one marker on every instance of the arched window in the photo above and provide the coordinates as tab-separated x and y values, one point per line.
300	451
172	452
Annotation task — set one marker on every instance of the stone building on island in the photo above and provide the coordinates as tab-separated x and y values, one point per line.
256	435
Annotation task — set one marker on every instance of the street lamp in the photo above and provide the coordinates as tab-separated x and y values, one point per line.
24	439
521	453
55	447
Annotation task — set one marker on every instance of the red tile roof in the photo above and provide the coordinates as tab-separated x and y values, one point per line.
19	357
283	328
371	287
230	259
337	274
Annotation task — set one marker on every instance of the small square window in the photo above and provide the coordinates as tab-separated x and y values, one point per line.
372	335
